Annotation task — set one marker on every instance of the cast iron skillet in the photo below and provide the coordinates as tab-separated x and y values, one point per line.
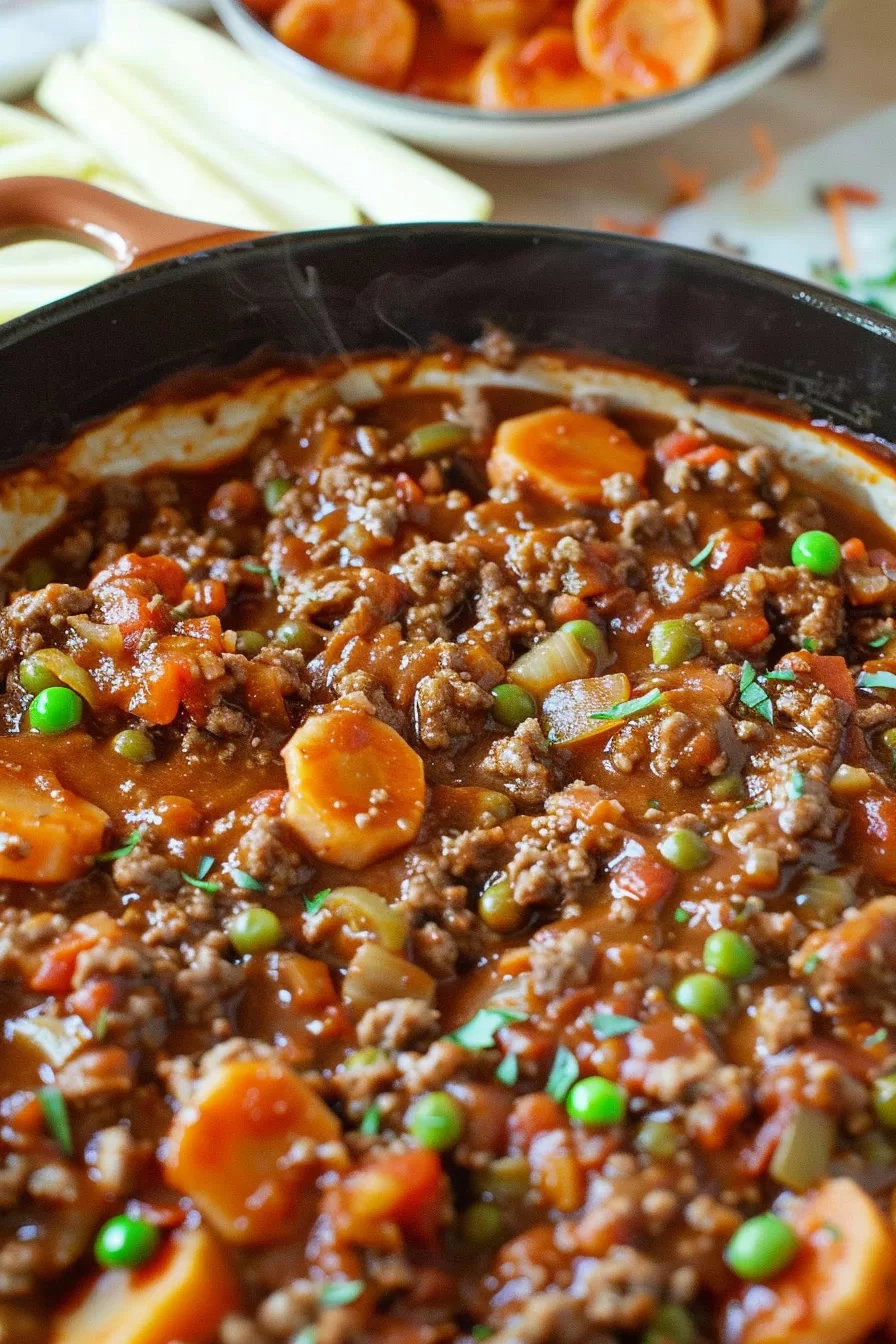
715	321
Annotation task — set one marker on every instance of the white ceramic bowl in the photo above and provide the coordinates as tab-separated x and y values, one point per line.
526	137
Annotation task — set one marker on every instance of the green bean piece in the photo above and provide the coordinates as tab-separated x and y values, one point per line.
443	436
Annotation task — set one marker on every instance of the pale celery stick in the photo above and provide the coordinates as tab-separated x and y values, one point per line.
296	198
390	182
183	185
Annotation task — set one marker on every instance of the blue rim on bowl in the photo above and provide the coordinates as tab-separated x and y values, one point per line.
241	22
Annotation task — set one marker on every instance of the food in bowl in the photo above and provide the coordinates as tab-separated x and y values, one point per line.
506	55
447	811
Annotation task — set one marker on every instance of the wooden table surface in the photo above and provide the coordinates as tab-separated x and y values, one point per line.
854	75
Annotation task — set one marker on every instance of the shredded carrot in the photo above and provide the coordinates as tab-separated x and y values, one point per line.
688	184
768	158
648	228
835	204
854	195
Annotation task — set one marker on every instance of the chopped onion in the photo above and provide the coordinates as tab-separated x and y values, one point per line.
363	911
804	1150
375	974
557	659
55	1038
107	638
66	670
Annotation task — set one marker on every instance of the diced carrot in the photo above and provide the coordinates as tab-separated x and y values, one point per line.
561	1181
208	596
646	880
408	491
736	548
565	454
532	1115
264	694
641	48
356	789
743	632
57	964
369	40
709	455
678	443
225	1145
91	999
56	833
406	1188
839	1287
566	607
829	670
541	71
855	550
205	629
183	1293
233	500
305	980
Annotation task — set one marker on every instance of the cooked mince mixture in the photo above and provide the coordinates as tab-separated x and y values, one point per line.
449	893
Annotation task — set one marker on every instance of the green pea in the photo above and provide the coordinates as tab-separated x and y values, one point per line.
728	787
658	1138
671	1324
134	745
674	642
297	635
512	705
818	551
367	1055
498	910
55	710
274	492
482	1225
38	573
761	1247
685	850
254	929
883	1096
441	437
729	954
125	1243
436	1121
34	676
249	642
597	1101
590	637
703	995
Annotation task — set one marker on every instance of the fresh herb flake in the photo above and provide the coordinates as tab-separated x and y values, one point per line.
681	915
564	1072
479	1033
246	881
796	785
758	803
482	1332
206	864
127	848
101	1026
876	1038
702	556
608	1025
200	883
654	803
55	1113
315	903
508	1071
752	695
780	674
308	1335
341	1293
626	708
880	640
809	644
811	963
253	567
873	681
371	1120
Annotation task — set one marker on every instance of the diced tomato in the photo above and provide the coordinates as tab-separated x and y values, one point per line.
233	500
829	670
679	443
854	550
407	1189
566	607
743	632
208	596
90	1000
709	455
645	879
736	548
874	826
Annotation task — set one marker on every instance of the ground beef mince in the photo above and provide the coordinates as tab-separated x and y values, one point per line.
448	865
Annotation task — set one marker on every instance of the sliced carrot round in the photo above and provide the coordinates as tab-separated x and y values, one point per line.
356	789
225	1148
646	47
478	22
565	454
369	40
542	71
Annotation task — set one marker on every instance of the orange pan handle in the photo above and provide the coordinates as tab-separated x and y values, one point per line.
130	235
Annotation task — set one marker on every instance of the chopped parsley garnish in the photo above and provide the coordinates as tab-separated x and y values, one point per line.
762	801
252	567
681	915
307	1335
876	1038
341	1293
101	1026
371	1120
654	803
246	881
127	848
608	1025
55	1113
796	784
811	963
626	708
809	644
482	1332
508	1071
206	864
780	674
752	694
315	903
880	640
872	681
479	1033
564	1072
703	555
